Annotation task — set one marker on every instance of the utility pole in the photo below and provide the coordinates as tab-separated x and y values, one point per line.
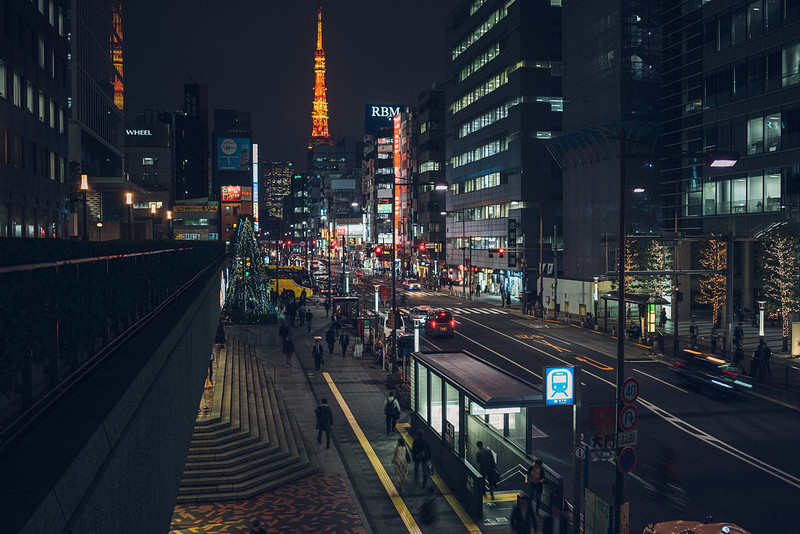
555	272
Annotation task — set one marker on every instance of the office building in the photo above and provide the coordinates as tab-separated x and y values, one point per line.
192	158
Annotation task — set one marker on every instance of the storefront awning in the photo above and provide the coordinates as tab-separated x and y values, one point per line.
486	384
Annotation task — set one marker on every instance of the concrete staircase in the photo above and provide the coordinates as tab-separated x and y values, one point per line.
250	443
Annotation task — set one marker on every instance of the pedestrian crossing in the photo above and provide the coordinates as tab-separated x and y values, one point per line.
466	311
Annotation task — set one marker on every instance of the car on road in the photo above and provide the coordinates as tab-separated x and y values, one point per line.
412	284
710	374
418	313
439	323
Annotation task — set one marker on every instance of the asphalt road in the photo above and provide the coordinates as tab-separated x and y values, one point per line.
735	456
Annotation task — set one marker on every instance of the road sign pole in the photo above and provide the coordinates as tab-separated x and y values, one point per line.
577	462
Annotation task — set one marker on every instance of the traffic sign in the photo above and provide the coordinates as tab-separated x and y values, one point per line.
626	460
359	273
627	439
580	452
628	417
302	243
630	390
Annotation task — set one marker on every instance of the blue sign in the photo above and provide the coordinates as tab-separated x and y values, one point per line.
233	154
559	385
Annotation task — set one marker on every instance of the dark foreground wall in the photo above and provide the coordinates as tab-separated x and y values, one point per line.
110	457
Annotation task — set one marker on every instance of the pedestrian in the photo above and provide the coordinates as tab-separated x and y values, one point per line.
327	307
309	316
344	340
766	354
487	467
714	338
535	481
257	528
283	331
330	338
291	309
219	339
693	334
662	321
522	517
288	350
324	421
301	313
400	459
391	409
421	454
755	363
429	511
738	359
318	355
211	368
738	335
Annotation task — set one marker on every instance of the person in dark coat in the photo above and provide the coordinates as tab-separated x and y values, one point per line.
220	337
522	519
693	333
330	338
738	335
421	454
755	363
288	350
344	340
318	355
327	308
324	422
738	359
391	409
487	466
766	354
283	331
309	316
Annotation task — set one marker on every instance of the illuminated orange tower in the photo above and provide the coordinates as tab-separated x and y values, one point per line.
319	115
116	56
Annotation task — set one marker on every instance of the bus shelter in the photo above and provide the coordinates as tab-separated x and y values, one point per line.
458	399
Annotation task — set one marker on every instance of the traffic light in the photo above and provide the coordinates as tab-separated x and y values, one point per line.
501	251
378	250
422	247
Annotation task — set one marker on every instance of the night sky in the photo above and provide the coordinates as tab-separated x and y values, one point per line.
258	56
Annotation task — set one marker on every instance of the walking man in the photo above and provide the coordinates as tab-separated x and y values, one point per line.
318	355
487	466
324	421
330	338
288	350
309	316
391	409
693	334
344	340
421	453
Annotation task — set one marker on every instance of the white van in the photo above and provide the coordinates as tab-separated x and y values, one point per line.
385	327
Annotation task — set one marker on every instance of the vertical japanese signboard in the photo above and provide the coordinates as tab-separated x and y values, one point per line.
512	243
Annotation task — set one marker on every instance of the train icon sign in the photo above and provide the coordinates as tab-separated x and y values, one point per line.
559	385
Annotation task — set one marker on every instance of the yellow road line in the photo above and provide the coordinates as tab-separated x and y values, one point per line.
448	495
388	485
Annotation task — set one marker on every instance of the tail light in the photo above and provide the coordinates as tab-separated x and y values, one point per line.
452	324
433	324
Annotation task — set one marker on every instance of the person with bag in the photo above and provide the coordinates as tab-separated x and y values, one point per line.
391	409
318	355
421	453
288	350
487	466
400	459
535	481
324	421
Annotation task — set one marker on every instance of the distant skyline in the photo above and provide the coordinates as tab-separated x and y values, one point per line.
259	57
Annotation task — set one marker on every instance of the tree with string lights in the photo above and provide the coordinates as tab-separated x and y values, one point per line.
711	287
247	296
780	275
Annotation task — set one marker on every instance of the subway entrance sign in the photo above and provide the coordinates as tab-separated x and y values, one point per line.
559	385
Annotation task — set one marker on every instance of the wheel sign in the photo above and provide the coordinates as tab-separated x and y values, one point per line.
628	417
630	390
626	460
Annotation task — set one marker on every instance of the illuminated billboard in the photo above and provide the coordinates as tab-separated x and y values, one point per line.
385	208
231	193
380	116
233	154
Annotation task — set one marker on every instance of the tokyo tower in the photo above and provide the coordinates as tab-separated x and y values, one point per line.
319	114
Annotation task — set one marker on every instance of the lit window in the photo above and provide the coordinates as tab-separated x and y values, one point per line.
149	161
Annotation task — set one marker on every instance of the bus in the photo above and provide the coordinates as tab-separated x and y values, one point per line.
290	277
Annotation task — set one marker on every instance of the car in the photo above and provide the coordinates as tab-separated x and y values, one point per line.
412	284
418	313
439	323
708	373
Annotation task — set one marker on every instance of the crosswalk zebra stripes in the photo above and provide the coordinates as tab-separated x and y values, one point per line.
466	311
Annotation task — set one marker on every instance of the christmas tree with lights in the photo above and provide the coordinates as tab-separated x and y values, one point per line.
247	297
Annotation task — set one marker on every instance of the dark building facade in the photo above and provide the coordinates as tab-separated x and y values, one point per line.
732	81
192	179
232	149
34	90
504	100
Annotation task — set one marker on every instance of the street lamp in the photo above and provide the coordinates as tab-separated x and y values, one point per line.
99	231
129	202
84	188
596	298
761	304
169	221
153	225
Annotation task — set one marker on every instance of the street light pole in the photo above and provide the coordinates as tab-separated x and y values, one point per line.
129	202
153	225
84	188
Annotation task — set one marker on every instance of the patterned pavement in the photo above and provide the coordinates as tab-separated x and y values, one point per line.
316	503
